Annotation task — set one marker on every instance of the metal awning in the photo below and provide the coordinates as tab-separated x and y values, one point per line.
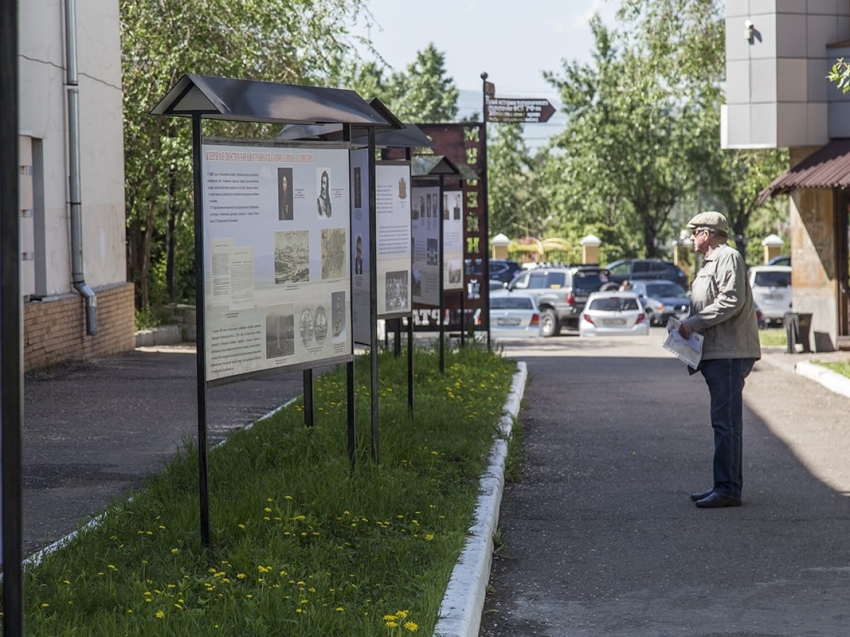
401	136
254	101
828	167
432	165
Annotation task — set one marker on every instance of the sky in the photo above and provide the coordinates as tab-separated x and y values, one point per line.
511	41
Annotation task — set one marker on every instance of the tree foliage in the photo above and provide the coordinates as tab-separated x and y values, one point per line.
624	144
421	93
641	147
293	41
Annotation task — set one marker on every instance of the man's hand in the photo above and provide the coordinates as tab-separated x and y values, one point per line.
685	330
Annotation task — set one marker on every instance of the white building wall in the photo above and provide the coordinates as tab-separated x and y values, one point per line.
43	117
777	92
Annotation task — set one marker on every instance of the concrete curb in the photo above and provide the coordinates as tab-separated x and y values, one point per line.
463	602
833	381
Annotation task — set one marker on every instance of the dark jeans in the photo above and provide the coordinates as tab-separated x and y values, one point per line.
725	380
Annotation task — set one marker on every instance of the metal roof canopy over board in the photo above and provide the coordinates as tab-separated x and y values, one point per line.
828	167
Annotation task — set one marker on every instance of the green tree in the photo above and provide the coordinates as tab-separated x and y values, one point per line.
623	143
685	39
515	206
422	93
294	41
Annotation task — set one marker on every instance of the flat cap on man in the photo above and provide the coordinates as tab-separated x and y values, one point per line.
709	219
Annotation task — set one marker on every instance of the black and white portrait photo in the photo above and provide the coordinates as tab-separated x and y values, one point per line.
284	194
324	200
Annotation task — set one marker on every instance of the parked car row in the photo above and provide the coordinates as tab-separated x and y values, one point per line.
562	296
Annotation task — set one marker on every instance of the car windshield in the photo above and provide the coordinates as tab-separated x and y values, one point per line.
664	289
772	279
511	303
614	304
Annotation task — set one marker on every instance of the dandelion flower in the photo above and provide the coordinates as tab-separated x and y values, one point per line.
411	626
160	614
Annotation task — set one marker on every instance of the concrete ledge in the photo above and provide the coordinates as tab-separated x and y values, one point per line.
463	602
833	381
163	335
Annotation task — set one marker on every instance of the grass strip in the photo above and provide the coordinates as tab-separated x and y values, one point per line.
301	545
840	367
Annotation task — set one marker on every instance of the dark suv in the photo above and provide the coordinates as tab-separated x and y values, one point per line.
645	269
504	269
560	291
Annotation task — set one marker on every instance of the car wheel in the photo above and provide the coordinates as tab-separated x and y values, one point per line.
549	324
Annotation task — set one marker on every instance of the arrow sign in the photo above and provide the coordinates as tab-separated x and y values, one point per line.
529	111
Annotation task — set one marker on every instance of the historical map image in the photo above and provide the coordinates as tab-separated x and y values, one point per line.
333	253
292	257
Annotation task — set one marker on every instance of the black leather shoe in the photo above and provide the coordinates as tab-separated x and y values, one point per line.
696	497
717	500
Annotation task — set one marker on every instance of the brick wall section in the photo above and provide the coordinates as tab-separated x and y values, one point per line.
55	329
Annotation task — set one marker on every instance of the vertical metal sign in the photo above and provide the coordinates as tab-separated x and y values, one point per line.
11	324
200	330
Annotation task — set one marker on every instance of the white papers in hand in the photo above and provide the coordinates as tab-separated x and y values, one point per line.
687	350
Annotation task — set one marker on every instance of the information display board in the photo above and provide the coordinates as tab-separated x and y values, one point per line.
425	230
276	271
362	239
392	195
453	240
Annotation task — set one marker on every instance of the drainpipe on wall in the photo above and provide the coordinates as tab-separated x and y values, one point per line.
72	87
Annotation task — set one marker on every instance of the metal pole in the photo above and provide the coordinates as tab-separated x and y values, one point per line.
352	441
349	368
200	328
408	154
373	300
307	383
441	282
485	263
11	336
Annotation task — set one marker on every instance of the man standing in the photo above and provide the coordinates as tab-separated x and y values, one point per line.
723	311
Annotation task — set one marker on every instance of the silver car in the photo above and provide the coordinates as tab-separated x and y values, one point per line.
514	316
771	290
613	314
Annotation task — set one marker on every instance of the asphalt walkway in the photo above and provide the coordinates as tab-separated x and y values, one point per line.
600	537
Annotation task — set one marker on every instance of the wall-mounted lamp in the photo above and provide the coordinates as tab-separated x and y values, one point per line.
749	31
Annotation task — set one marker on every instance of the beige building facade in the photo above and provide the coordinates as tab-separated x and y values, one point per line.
778	55
77	301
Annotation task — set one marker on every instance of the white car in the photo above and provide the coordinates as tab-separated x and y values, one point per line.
771	286
613	314
514	316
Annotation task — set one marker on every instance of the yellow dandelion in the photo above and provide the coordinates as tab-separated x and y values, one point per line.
240	575
175	551
411	626
45	605
160	614
392	624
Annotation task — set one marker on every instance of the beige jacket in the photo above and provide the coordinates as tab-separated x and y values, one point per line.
722	307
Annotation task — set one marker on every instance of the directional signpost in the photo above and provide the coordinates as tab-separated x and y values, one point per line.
512	111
